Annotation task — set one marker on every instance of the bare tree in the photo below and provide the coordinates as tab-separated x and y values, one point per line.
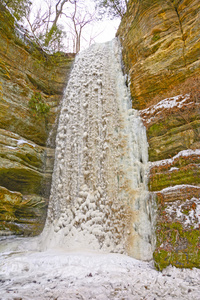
53	29
80	18
45	22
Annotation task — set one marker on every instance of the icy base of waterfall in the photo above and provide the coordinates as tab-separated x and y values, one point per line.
78	275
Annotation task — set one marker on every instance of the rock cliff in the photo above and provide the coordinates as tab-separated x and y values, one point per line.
161	52
31	87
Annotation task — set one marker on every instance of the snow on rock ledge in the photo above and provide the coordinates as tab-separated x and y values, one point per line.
150	114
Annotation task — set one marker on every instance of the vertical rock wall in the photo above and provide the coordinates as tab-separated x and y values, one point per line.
161	52
31	87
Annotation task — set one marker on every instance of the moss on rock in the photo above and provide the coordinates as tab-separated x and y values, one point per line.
26	69
176	246
25	163
189	174
161	54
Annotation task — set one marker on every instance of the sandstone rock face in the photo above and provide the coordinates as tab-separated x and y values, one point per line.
31	87
161	52
160	40
175	179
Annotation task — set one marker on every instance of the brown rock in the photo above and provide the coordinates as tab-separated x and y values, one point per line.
27	74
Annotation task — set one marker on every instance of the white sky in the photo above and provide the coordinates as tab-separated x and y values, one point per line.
107	28
98	32
105	31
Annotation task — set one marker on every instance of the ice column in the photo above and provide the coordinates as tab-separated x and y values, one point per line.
99	197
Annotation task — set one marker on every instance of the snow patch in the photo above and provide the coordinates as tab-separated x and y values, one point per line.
10	147
187	212
168	103
57	275
173	169
21	142
178	187
169	161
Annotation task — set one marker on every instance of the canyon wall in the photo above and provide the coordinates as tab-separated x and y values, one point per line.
31	87
161	53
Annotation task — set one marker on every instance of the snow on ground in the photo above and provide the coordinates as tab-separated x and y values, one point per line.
63	276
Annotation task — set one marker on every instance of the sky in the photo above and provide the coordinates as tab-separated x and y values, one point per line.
96	32
107	29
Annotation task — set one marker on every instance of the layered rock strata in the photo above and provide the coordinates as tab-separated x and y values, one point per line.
161	52
173	132
31	87
160	40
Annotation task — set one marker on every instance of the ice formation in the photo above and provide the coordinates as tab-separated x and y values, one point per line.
99	199
64	276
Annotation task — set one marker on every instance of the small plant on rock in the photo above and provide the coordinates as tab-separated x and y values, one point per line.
38	107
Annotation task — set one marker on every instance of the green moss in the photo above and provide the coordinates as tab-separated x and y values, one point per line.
162	259
155	37
177	246
25	155
32	228
174	140
173	125
4	72
22	179
156	129
192	237
178	259
31	159
189	174
7	28
19	42
38	84
6	22
155	48
38	106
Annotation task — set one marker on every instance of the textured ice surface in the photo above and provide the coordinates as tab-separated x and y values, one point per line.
61	276
99	198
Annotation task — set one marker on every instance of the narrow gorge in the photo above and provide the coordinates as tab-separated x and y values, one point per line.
126	172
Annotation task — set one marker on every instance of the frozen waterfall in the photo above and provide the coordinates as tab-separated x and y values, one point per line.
99	198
